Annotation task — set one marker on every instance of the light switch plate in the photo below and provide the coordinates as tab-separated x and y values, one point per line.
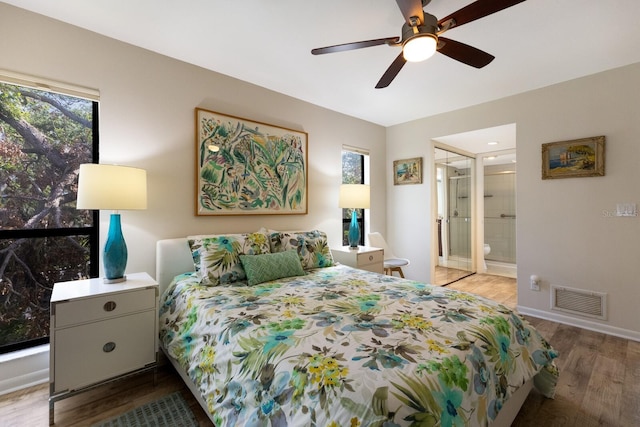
626	209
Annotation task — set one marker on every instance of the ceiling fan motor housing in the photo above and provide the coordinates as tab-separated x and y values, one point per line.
429	26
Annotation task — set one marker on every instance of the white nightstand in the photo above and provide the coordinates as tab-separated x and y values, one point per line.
362	257
101	332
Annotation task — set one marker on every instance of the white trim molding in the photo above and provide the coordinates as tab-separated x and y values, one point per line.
580	323
24	368
49	85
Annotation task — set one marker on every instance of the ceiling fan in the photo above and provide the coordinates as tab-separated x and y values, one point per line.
421	36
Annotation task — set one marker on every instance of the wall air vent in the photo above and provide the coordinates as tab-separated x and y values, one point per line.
578	301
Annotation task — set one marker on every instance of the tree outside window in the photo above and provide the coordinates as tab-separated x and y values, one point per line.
44	137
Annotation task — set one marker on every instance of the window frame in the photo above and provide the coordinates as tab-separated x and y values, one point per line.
92	232
361	214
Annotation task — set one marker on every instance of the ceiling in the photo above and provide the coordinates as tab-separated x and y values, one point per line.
496	145
536	43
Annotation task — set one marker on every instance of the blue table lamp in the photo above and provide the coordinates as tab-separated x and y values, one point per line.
354	196
116	188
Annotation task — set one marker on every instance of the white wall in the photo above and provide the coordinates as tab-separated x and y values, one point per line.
565	233
147	106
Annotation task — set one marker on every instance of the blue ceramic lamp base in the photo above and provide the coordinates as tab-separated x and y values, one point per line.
115	252
354	231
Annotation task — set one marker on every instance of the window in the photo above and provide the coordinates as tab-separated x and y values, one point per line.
44	137
355	166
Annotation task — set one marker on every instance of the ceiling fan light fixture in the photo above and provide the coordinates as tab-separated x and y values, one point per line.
419	47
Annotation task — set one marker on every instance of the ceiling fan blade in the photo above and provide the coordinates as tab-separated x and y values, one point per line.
476	10
411	8
355	45
391	72
464	53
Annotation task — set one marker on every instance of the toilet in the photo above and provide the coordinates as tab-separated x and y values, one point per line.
487	250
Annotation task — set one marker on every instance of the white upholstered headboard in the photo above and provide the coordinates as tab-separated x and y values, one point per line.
173	257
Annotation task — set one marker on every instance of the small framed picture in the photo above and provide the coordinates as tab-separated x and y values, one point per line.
575	158
407	171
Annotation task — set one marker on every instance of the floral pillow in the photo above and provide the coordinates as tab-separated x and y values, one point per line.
217	257
311	246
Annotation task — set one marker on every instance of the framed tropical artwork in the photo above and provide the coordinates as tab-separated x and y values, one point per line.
407	171
245	167
575	158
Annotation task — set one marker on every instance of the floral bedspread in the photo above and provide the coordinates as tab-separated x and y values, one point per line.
345	347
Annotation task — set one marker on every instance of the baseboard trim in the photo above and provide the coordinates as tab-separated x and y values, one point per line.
580	323
24	368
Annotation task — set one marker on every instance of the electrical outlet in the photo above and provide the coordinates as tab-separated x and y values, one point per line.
534	283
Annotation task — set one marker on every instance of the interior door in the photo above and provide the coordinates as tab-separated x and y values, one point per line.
454	217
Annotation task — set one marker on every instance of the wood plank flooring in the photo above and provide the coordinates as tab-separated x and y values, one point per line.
599	374
444	275
30	407
599	381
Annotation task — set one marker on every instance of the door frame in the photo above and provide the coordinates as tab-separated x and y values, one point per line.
434	203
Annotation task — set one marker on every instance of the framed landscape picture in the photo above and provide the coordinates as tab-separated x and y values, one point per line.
407	171
575	158
245	167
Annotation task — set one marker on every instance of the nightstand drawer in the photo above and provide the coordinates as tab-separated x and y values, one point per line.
92	352
367	258
363	257
83	310
100	332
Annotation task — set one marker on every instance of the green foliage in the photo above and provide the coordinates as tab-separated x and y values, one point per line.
44	137
351	168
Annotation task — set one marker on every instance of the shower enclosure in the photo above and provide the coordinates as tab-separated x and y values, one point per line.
500	218
454	190
459	216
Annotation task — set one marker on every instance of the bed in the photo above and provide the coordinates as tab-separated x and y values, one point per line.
329	345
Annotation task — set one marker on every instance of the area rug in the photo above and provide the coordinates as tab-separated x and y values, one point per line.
168	411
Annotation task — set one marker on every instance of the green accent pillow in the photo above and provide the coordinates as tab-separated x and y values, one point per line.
265	267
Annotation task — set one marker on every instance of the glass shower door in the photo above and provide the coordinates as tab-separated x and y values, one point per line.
454	182
500	216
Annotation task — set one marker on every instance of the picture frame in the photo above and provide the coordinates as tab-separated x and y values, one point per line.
246	167
575	158
407	171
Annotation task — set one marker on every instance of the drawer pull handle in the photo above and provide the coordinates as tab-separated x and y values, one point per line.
109	347
109	306
370	257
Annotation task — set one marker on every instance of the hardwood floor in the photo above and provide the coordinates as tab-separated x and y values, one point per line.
599	374
497	288
30	407
444	275
599	381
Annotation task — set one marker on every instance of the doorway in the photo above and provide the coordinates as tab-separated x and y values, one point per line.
493	155
455	210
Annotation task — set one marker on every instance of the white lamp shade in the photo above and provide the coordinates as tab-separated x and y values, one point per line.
419	48
354	196
111	187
